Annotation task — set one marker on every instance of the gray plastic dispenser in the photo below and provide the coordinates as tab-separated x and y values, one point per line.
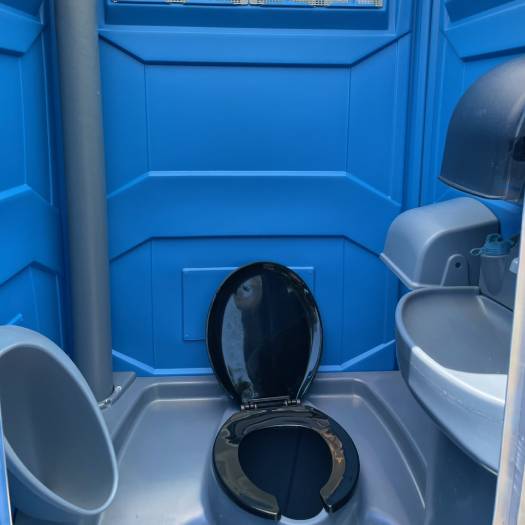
60	458
485	148
497	278
430	246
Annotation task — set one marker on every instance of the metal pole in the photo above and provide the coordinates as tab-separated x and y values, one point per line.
79	63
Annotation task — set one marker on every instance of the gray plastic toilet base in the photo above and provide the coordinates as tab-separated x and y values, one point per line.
411	474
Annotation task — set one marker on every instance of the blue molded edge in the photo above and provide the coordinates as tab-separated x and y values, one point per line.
31	7
459	9
234	46
124	363
128	229
504	25
24	246
381	357
417	110
16	320
56	157
5	507
18	30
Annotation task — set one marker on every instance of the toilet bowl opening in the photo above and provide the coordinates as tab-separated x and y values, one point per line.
292	463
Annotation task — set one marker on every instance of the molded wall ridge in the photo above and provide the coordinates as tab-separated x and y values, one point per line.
227	145
30	229
238	133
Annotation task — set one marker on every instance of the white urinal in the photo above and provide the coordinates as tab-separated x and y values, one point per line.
60	458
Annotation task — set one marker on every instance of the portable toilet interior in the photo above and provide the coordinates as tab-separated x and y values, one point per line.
258	259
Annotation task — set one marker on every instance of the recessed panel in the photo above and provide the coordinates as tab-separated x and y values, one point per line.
36	124
30	230
124	107
247	118
199	285
31	299
227	146
173	297
13	163
132	304
355	294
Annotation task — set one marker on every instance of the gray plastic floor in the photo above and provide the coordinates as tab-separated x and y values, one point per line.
164	431
411	474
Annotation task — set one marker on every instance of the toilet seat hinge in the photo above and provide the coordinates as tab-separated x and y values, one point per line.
270	402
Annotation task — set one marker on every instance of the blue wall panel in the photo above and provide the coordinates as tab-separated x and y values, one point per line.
468	39
31	255
31	263
226	141
278	118
229	145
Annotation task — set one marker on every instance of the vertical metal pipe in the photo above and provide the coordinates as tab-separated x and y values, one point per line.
79	64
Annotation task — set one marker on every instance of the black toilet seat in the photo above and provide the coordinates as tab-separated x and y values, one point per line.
264	337
345	461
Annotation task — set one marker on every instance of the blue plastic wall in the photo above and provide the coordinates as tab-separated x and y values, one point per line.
227	145
237	133
242	133
30	228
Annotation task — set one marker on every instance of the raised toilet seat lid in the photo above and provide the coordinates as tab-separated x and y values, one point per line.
264	339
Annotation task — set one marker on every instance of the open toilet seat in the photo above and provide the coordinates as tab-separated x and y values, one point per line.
264	338
345	461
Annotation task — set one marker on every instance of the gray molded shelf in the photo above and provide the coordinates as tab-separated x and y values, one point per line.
453	348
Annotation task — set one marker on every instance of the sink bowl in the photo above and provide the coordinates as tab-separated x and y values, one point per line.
453	348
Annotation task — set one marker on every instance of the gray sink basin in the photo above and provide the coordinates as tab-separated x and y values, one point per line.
453	348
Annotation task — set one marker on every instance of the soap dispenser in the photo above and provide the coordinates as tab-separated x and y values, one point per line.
497	278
